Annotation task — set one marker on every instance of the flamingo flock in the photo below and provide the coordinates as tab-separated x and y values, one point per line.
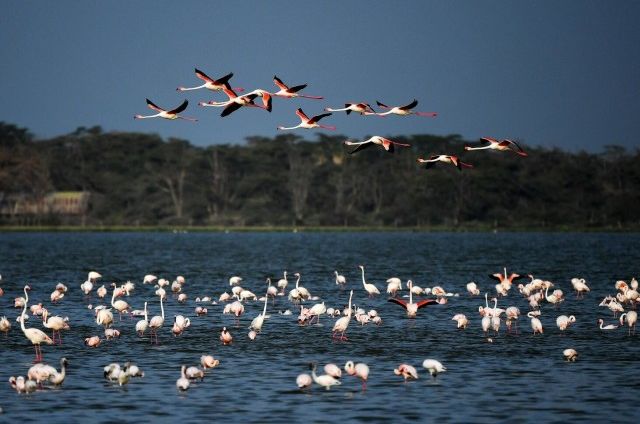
535	291
237	101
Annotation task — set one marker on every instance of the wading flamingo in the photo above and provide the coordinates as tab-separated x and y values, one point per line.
35	336
410	307
342	323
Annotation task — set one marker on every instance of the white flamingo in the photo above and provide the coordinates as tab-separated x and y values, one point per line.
370	288
35	336
257	322
141	326
342	323
156	322
632	318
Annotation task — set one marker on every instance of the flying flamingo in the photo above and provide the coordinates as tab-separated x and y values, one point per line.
166	114
235	102
444	159
504	145
309	123
156	323
210	83
404	110
35	336
342	323
291	92
387	144
361	108
412	308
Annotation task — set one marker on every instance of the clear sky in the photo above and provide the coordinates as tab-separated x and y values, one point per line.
551	73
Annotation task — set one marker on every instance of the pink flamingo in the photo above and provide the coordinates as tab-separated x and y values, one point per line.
291	92
309	123
404	110
504	145
387	144
444	159
210	83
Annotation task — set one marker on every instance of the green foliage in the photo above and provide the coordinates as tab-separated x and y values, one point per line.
142	180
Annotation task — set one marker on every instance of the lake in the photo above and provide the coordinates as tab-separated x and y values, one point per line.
516	378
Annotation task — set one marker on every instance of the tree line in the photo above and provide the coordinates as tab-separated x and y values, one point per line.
289	180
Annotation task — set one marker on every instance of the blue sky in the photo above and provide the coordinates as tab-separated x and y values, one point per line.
550	73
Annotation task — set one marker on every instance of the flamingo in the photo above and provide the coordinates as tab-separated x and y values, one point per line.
407	371
386	144
194	373
166	114
564	321
183	382
324	380
104	317
86	287
473	289
317	310
225	336
404	110
236	101
444	159
5	325
271	290
606	327
303	381
283	282
93	341
434	367
208	361
56	324
504	145
35	336
120	305
632	318
393	285
256	323
149	278
156	322
210	83
333	370
361	108
410	307
461	319
580	286
291	92
359	370
57	378
370	288
570	355
342	323
536	325
340	279
101	292
235	280
309	123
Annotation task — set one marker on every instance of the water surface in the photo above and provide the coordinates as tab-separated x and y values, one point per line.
515	378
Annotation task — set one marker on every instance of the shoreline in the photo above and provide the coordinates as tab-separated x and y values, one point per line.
306	229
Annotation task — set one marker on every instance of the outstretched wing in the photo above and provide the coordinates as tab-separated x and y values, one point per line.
498	277
400	302
302	115
154	106
296	88
361	147
425	302
204	77
180	108
232	107
277	81
382	105
411	105
319	117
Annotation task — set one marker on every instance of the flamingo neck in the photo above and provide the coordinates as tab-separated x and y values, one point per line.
24	311
362	269
161	308
264	311
297	281
145	311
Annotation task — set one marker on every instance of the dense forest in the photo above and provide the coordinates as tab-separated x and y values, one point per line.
141	179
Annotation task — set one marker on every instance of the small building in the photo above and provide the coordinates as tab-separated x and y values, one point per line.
56	203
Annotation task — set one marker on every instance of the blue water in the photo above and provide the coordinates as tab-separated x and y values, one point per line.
515	378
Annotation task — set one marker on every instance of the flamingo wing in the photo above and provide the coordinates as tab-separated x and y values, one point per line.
232	107
296	88
411	105
154	106
302	115
319	117
229	92
180	108
225	79
203	76
277	81
489	140
361	147
497	277
425	302
513	143
382	105
400	302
